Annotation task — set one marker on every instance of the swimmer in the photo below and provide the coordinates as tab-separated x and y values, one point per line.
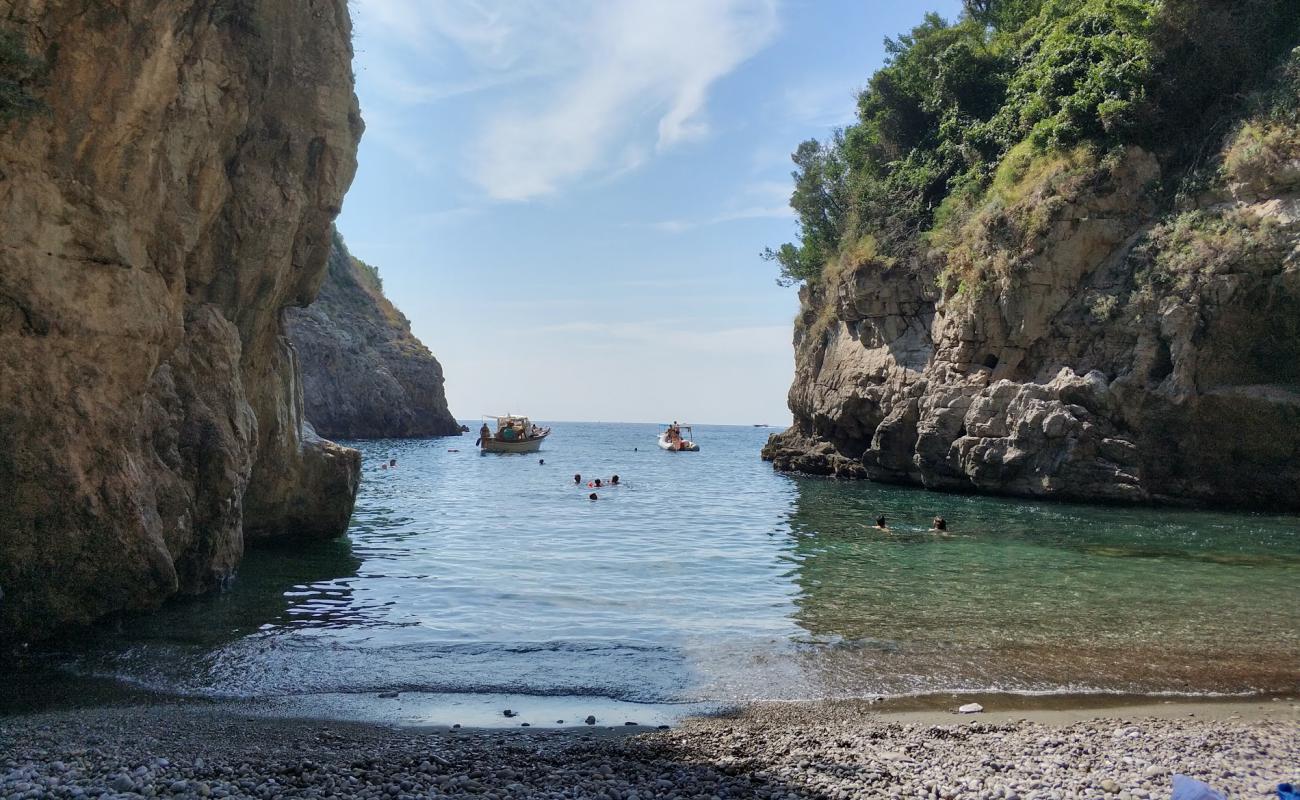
940	525
392	462
613	481
598	484
541	461
592	496
577	479
881	525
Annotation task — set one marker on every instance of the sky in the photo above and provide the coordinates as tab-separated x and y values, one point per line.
568	199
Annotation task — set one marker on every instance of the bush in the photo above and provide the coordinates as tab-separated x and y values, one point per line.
1197	243
959	108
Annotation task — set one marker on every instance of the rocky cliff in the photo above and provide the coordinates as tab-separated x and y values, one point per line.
1074	339
167	192
365	375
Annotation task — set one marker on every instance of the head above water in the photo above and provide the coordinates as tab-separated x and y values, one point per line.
614	479
598	483
392	462
592	496
577	478
880	522
541	461
940	524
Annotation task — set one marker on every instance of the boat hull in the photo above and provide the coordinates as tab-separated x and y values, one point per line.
526	446
685	447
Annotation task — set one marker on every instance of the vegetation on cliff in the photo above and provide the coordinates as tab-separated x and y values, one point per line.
963	111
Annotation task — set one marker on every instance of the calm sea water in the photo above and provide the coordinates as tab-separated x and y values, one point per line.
708	577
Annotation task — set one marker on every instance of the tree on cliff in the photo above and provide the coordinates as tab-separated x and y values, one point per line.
1030	76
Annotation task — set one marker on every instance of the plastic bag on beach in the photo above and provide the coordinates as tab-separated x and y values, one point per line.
1186	788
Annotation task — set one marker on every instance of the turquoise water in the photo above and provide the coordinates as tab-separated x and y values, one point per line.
708	577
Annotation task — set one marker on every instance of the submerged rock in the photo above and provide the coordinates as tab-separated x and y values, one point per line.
173	197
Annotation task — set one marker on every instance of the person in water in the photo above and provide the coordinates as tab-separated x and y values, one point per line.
940	525
613	481
392	462
881	524
577	478
597	483
592	496
541	461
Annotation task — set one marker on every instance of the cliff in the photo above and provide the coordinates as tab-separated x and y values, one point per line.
170	173
365	376
1107	376
1078	331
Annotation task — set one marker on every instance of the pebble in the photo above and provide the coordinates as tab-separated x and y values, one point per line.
771	753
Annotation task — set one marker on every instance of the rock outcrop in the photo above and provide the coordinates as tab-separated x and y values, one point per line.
170	199
365	375
1112	351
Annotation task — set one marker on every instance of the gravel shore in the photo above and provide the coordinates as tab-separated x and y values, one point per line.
807	750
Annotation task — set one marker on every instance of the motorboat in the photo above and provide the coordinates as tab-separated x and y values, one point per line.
671	439
513	434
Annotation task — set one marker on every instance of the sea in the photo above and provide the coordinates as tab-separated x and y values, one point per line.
473	583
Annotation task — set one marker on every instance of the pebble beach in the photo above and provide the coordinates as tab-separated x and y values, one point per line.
804	750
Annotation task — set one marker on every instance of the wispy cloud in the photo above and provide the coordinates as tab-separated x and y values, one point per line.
756	212
758	200
625	79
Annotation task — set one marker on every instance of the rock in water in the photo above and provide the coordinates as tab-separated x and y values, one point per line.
162	210
970	708
364	374
1076	375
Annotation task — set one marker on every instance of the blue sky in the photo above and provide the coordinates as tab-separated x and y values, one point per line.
568	199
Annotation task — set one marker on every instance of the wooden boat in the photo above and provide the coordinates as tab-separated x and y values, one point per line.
512	435
671	439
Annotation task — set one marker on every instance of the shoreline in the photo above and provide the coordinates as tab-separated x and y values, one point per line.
773	750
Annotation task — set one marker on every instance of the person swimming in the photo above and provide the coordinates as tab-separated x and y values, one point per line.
541	461
881	524
596	483
940	525
592	496
392	462
613	481
577	478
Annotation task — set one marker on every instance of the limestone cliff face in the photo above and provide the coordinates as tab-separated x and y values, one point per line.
172	198
365	375
1117	353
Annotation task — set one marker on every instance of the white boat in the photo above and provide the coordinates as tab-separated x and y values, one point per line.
512	435
671	439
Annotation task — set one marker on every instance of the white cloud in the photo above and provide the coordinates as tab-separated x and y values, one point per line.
615	72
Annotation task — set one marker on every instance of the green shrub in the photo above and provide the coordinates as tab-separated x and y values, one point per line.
1196	243
958	106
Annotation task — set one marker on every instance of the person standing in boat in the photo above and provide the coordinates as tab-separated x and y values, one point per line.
484	435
